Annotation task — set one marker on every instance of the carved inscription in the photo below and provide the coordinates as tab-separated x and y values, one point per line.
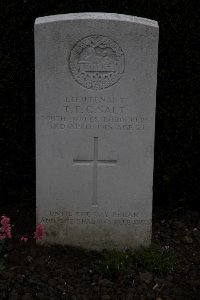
95	218
96	62
103	113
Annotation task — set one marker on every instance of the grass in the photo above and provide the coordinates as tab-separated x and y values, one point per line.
115	263
155	260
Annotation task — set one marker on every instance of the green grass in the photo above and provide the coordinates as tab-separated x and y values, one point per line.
116	263
154	259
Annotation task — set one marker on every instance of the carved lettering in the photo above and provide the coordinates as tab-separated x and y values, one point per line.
118	218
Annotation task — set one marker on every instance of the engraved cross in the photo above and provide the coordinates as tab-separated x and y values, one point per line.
95	162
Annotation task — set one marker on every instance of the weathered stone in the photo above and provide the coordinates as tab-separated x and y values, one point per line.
95	118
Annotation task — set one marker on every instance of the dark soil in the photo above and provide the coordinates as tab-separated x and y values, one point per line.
58	272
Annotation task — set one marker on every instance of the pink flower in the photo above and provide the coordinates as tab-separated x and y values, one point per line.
5	227
40	232
24	239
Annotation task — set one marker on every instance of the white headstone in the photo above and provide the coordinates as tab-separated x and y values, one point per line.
96	79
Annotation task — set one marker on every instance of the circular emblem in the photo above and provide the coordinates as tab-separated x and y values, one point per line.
96	62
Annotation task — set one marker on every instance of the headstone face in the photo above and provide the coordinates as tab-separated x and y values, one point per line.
96	79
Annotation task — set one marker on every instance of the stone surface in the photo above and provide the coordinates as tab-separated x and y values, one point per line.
95	121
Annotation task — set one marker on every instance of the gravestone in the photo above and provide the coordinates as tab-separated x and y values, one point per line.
96	79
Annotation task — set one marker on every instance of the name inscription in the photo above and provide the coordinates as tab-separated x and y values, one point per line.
104	113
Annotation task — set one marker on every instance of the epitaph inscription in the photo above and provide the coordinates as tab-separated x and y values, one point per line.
96	62
95	218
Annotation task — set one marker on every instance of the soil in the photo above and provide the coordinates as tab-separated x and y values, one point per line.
63	272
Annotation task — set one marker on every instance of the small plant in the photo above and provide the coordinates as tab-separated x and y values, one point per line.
5	229
155	260
114	263
5	233
39	232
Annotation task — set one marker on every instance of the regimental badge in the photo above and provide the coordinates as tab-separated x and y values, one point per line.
96	62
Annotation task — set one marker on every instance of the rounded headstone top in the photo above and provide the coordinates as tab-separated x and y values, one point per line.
96	16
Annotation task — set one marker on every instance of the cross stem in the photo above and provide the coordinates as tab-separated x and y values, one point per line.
95	162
